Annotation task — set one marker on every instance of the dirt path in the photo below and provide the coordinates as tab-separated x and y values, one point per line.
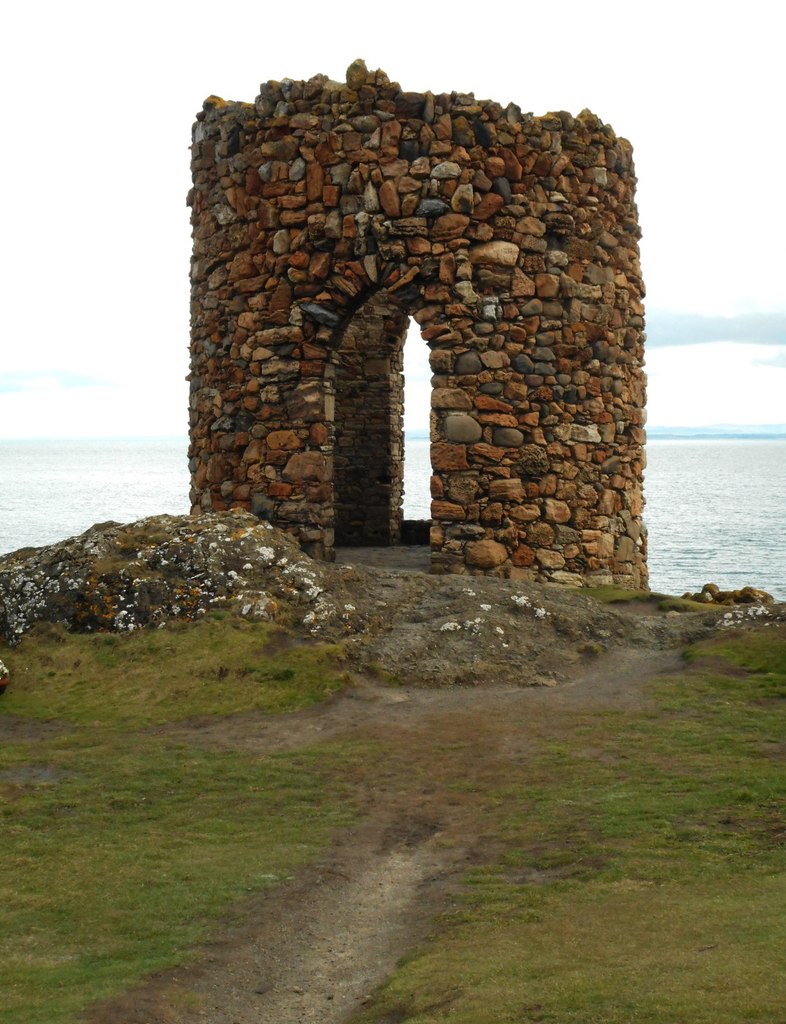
481	672
315	948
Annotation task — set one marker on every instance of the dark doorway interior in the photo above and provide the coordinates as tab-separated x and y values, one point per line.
368	462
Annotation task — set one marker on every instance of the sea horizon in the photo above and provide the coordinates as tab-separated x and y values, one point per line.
723	432
714	504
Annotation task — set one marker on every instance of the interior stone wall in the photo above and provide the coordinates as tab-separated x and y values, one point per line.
326	213
368	454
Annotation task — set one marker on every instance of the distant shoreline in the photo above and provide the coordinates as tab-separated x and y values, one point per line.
655	434
715	437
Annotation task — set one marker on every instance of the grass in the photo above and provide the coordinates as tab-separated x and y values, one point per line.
636	865
610	594
643	880
220	666
122	845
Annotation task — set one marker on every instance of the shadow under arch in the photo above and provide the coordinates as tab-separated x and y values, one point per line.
368	419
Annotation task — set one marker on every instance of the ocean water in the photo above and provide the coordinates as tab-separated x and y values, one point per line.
716	509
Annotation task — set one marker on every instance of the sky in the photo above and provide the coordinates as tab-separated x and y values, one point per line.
99	103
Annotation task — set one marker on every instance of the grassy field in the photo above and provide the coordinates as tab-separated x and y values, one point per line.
120	845
638	868
644	875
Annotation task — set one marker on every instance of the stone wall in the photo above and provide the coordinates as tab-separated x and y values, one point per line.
327	214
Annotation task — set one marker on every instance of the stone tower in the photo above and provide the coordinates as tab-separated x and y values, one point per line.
327	214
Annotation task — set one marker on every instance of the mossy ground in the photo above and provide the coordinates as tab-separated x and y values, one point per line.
661	602
630	863
121	844
643	877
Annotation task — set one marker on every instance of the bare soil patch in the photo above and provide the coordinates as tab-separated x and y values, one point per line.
315	948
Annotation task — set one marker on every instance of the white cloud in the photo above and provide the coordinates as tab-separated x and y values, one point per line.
668	328
96	234
155	411
719	382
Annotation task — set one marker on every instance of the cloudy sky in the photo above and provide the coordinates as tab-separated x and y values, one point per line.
98	105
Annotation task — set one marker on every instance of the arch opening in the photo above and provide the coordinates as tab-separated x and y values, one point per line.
368	452
416	525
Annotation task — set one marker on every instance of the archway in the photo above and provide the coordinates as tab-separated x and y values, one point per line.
368	452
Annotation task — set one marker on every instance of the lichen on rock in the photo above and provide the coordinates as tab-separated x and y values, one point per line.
121	578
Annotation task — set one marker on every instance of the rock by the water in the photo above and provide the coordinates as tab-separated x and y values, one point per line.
711	593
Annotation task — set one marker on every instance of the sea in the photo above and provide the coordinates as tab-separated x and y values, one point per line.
716	508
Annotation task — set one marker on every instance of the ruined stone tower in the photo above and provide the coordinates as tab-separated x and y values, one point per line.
327	214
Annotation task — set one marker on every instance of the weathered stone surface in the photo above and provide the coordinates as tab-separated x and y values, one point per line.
357	73
320	314
448	456
284	440
431	208
549	559
462	428
508	437
450	398
506	490
485	554
579	432
557	511
468	363
389	199
306	466
711	593
503	253
324	217
446	169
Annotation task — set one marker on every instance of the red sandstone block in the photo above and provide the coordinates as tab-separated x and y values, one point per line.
489	404
279	490
490	204
506	490
388	198
447	511
487	451
523	555
446	456
492	514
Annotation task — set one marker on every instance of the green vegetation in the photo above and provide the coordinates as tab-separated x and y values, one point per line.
643	880
221	666
632	868
611	594
120	843
684	604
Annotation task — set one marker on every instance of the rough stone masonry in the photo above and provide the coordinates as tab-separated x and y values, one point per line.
327	214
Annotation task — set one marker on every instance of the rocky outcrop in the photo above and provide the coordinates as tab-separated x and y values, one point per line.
327	214
121	578
711	593
439	629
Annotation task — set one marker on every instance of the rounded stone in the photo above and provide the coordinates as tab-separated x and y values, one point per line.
485	554
508	437
357	73
462	428
467	363
523	364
